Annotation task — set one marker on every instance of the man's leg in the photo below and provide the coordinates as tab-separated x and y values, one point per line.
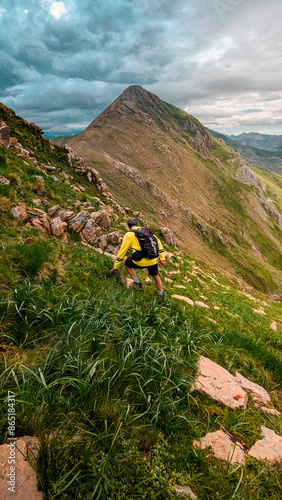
130	271
158	282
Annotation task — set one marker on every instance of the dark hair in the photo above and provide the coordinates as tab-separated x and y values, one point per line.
132	222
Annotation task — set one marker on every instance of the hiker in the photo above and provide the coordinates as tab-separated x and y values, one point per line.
137	259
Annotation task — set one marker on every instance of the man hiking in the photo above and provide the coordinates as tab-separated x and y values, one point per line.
146	249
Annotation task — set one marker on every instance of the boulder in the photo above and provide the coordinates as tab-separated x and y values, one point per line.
222	446
269	448
219	384
101	218
77	223
20	212
58	227
25	476
91	232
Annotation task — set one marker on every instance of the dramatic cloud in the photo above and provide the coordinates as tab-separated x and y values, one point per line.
63	62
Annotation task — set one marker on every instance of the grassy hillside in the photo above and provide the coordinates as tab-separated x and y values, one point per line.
102	375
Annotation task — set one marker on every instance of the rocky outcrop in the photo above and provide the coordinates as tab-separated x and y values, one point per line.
222	446
127	170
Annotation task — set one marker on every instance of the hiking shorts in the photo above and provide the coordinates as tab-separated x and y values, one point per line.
152	270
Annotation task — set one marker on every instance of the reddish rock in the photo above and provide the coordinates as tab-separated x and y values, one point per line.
4	133
219	384
41	224
101	218
20	212
77	223
91	232
222	446
58	227
103	241
53	210
114	238
25	476
13	141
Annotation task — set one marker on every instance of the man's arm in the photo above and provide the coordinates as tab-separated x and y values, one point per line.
125	246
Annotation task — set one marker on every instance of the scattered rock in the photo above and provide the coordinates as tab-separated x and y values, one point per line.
269	448
77	223
186	299
91	232
5	181
179	286
103	241
58	227
174	272
168	280
201	304
168	235
259	395
25	476
53	210
129	282
259	311
4	132
274	326
219	384
42	224
101	218
114	238
36	202
222	446
55	178
111	255
49	168
20	212
185	491
168	256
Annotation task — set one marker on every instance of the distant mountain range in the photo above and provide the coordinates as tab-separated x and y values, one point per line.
259	141
260	157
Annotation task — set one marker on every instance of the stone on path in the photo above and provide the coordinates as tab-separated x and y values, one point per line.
25	476
186	299
219	384
222	446
269	448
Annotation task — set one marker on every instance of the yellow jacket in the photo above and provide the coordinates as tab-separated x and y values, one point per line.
131	241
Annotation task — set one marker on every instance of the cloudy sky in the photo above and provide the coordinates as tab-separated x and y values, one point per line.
63	62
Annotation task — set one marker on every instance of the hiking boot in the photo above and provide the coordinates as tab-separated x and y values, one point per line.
136	286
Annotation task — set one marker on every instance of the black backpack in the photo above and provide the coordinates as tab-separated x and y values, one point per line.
148	242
